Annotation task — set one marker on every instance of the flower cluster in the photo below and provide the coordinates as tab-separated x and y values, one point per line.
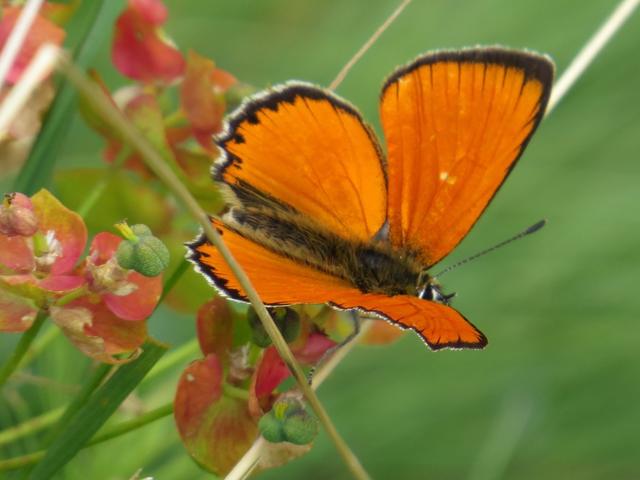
221	399
178	101
239	389
99	305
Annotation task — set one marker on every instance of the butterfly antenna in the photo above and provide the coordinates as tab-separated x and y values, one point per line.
528	231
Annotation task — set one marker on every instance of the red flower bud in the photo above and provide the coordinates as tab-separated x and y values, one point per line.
17	217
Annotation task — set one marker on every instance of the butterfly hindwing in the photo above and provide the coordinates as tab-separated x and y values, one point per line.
455	123
277	279
281	281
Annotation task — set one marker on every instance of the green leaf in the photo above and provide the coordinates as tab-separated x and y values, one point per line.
89	29
216	428
80	398
97	411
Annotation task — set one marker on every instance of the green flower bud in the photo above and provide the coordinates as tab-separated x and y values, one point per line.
288	322
271	428
125	255
288	421
300	428
144	254
141	230
286	407
258	334
286	319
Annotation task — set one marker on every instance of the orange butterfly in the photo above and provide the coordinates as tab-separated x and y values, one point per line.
317	213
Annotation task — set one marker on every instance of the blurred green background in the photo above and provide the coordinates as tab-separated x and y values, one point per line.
557	393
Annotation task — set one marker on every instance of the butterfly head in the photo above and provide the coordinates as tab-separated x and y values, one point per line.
430	289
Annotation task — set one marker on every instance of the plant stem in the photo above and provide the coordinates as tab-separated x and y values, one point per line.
96	410
235	392
173	279
21	461
174	119
30	426
183	353
99	188
40	343
133	424
116	431
22	347
72	295
156	163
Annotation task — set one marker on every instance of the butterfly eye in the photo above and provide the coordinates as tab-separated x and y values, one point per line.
433	293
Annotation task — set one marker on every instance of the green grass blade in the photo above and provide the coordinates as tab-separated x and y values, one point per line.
88	420
90	28
80	399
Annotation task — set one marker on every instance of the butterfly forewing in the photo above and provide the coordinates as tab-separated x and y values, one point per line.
455	123
307	149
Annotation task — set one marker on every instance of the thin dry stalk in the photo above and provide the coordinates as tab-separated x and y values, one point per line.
367	45
17	37
39	68
590	51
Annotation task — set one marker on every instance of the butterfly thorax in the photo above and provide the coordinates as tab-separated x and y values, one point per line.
377	269
371	266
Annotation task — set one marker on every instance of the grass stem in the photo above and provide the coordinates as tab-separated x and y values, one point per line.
22	347
367	45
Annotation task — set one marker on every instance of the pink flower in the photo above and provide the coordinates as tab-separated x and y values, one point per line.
140	50
201	95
